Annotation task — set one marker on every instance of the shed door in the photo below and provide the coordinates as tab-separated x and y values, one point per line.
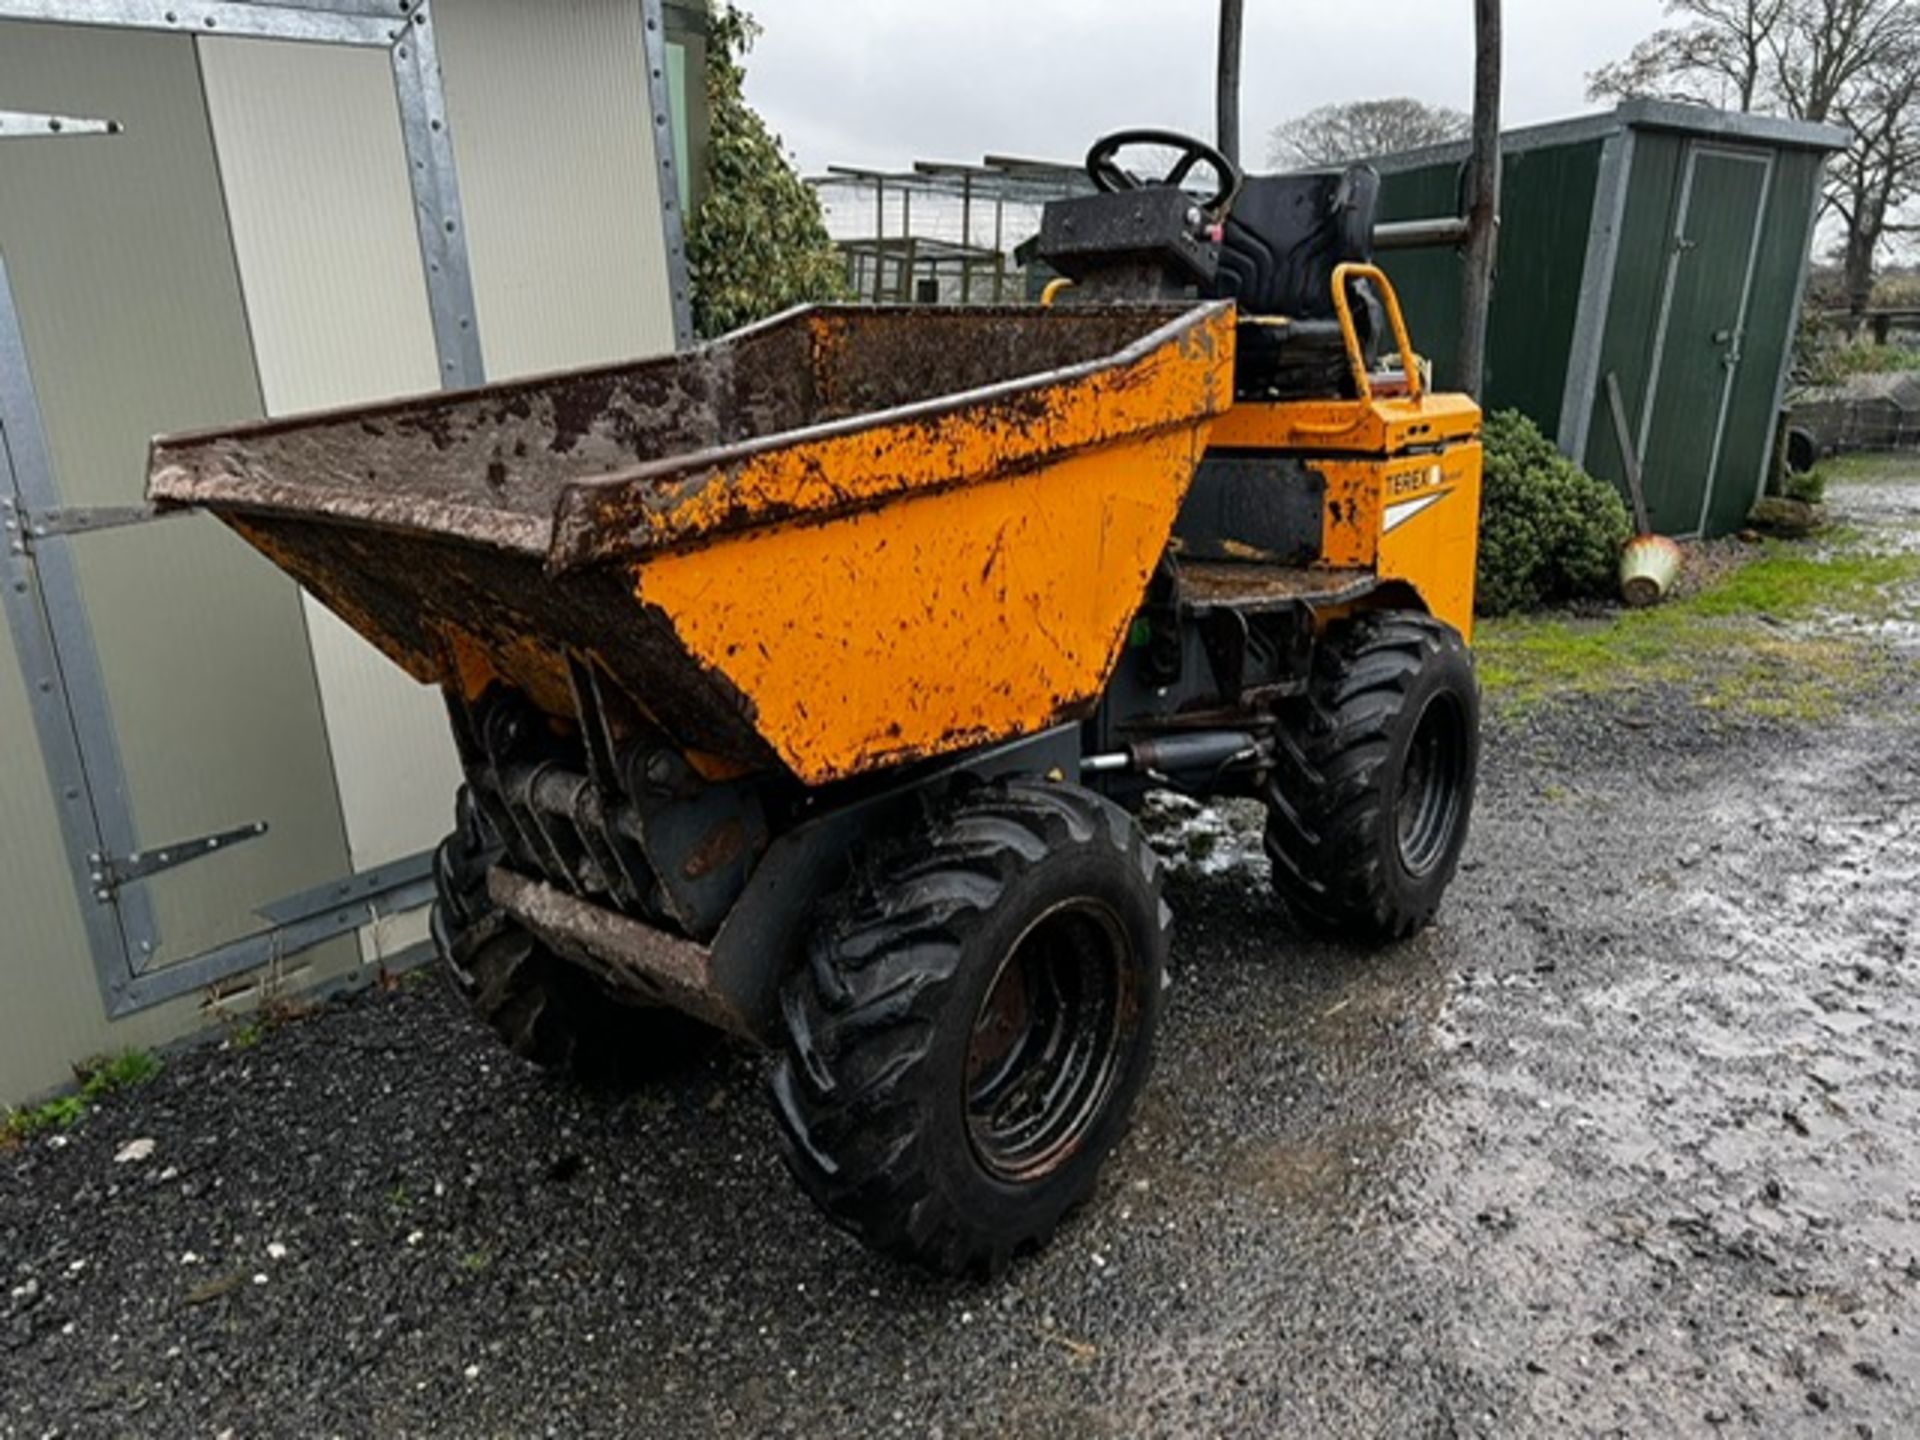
1697	351
181	656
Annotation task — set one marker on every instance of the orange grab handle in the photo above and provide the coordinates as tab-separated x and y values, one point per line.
1356	357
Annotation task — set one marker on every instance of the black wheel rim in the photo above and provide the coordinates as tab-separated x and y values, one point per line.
1049	1039
1432	785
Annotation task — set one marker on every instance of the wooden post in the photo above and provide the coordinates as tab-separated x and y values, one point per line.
1483	200
1227	81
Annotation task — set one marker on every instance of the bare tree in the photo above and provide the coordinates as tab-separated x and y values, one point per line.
1854	63
1723	54
1335	134
1826	48
1879	173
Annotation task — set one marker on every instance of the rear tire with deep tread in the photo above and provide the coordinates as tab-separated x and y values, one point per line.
886	1121
541	1007
1369	805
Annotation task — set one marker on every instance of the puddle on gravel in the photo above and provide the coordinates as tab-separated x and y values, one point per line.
1712	1120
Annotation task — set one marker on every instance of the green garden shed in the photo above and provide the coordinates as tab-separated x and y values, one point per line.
1665	245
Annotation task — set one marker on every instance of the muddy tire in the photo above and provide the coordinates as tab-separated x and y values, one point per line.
1369	805
972	1025
545	1010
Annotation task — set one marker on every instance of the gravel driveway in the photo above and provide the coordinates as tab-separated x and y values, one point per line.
1629	1143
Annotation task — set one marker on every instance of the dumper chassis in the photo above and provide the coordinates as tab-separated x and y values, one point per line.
807	686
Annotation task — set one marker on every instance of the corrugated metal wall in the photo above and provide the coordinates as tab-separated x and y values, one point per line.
1543	241
228	712
558	177
322	217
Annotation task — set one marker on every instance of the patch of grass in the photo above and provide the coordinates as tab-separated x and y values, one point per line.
1788	582
1871	360
475	1261
62	1113
1870	467
1730	645
98	1078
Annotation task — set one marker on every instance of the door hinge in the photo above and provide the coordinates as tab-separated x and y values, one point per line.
109	872
25	125
23	527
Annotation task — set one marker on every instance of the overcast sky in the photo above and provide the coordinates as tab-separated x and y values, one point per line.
887	82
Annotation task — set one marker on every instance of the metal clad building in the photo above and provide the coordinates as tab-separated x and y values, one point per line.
1665	244
212	213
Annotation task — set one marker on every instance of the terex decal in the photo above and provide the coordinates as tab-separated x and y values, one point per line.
1409	483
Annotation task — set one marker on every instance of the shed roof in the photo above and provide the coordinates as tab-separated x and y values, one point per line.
1699	120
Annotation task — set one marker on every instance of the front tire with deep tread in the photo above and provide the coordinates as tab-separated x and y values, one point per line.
542	1008
1369	805
902	1008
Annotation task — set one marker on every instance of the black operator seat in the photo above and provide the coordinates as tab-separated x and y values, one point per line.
1278	248
1286	233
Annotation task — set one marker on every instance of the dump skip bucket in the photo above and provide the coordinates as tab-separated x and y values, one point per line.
844	538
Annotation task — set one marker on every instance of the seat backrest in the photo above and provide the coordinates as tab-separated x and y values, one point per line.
1286	233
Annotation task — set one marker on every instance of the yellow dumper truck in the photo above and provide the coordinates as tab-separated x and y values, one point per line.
807	683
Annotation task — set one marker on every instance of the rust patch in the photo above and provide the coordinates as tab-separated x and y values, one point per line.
635	958
1251	585
719	846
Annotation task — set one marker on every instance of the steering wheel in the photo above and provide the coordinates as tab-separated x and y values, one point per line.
1104	170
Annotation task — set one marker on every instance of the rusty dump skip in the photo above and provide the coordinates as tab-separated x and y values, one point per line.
765	541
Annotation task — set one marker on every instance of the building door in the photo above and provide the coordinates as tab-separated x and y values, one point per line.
1697	349
177	713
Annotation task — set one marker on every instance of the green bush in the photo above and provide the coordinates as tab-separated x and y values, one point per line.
1549	532
758	244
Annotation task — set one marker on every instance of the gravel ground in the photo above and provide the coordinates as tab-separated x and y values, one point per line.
1628	1143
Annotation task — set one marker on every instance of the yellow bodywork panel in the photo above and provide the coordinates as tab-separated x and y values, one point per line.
1415	519
1402	485
1187	378
927	625
1384	425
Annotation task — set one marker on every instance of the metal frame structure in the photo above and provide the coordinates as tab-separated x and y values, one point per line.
39	583
999	180
1596	286
672	223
